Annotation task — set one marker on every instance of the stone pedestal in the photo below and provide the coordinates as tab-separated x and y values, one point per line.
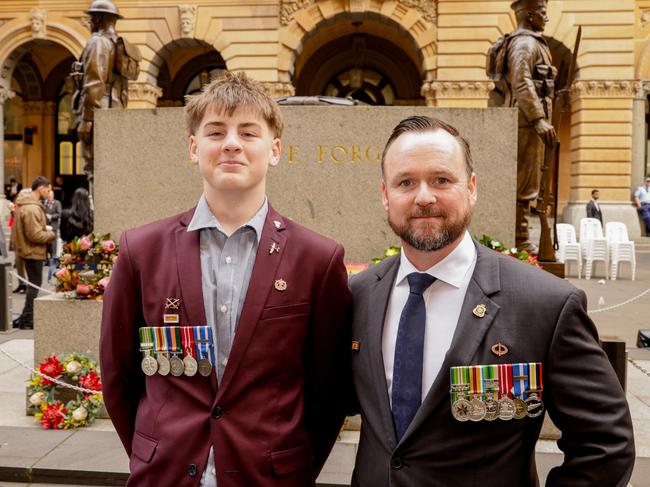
63	326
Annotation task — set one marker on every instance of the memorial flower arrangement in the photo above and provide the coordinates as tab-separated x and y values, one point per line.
390	250
47	399
85	266
522	255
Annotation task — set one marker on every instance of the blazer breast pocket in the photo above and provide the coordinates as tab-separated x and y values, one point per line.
285	311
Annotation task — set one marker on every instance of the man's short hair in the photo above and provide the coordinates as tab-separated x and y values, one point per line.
594	191
228	93
40	181
421	123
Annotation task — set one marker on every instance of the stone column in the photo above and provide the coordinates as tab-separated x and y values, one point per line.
639	133
279	89
5	94
463	94
601	151
143	94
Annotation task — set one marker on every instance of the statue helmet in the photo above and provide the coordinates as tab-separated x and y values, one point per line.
104	7
518	5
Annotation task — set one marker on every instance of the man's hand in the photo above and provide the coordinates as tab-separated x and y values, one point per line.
546	132
83	131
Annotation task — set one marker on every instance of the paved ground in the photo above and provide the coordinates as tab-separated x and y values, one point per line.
94	456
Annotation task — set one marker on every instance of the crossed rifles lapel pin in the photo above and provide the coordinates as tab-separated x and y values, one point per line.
171	304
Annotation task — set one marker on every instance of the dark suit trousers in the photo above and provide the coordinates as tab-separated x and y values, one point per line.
34	270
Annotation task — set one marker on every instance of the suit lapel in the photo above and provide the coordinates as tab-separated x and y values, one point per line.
470	331
379	294
261	282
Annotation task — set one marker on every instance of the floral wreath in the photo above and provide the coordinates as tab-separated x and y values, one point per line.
497	246
85	266
46	398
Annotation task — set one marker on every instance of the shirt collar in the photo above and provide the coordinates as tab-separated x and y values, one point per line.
452	269
204	218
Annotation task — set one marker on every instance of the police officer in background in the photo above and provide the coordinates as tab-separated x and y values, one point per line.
101	75
525	78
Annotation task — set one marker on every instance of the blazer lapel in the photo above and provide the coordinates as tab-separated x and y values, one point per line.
377	301
469	333
261	282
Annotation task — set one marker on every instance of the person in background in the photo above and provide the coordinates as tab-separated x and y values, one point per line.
14	188
642	202
53	215
19	264
31	238
593	209
78	220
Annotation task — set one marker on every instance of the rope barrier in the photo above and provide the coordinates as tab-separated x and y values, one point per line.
609	308
53	379
22	279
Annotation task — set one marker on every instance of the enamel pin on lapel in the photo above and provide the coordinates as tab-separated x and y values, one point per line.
280	285
479	310
274	248
499	349
356	345
171	304
277	224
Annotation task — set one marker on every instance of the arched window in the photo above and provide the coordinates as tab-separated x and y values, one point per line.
202	78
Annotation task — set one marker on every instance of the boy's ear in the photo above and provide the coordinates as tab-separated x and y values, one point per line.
193	148
276	151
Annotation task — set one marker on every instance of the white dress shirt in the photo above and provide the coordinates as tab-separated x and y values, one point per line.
443	301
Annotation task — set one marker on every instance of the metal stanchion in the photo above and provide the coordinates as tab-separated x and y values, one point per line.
5	296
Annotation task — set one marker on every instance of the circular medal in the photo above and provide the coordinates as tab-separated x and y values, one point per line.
205	367
163	365
149	365
491	409
460	410
476	409
191	367
176	366
534	406
506	408
521	408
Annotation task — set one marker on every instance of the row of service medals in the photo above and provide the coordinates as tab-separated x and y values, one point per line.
177	350
503	391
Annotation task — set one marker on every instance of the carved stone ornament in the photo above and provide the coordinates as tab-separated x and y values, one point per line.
290	7
6	94
604	89
427	8
144	92
37	21
436	90
644	17
279	89
187	19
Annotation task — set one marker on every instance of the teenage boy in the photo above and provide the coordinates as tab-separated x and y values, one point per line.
266	404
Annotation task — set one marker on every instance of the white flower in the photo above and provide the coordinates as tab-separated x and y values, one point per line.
495	244
513	250
73	367
80	413
37	398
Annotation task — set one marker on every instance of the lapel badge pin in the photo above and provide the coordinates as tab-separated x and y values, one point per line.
356	345
280	285
171	318
277	224
274	248
172	303
479	310
499	349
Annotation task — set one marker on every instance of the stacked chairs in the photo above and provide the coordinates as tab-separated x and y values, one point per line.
568	246
593	245
620	247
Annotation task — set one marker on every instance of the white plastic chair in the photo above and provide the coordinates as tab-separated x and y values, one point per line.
620	247
593	245
568	247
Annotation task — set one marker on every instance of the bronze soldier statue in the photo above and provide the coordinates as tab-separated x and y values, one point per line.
520	64
101	76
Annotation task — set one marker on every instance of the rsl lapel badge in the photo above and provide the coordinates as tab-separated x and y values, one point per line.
277	224
499	349
280	285
480	310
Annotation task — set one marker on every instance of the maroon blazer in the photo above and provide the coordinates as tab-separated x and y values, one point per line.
279	408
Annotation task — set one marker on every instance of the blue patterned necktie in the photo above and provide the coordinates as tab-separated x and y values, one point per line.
407	368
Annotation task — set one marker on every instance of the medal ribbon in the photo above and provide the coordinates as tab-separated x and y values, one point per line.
146	340
520	380
490	378
459	377
198	332
476	380
535	375
188	341
171	339
210	345
161	339
505	380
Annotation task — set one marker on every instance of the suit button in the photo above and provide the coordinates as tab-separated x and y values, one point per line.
217	412
191	469
396	463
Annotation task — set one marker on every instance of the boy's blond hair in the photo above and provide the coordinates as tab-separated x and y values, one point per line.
228	93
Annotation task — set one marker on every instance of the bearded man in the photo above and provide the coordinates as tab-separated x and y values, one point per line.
457	351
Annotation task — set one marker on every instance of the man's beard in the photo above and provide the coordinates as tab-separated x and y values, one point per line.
427	238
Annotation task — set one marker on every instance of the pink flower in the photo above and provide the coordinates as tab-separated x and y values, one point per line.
108	245
103	282
85	243
65	258
114	259
63	274
83	289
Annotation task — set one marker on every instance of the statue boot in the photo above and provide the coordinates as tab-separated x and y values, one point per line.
522	236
